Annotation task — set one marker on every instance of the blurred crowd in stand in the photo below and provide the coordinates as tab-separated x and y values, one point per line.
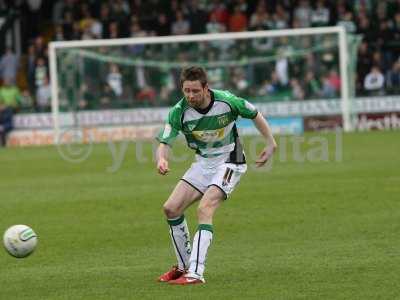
25	79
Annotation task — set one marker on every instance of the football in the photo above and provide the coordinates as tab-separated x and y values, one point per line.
20	240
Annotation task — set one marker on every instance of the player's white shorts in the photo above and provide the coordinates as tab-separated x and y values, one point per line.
225	176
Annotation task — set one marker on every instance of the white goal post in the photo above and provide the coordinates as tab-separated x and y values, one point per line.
339	30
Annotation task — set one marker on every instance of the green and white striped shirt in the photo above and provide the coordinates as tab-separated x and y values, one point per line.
211	132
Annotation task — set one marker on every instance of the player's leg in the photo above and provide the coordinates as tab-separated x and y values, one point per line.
208	205
221	185
183	196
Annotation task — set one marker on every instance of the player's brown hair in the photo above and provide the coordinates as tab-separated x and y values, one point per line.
194	73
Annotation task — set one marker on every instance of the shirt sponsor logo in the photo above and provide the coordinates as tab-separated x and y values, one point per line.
209	135
223	120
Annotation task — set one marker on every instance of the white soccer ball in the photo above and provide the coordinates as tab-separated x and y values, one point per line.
20	240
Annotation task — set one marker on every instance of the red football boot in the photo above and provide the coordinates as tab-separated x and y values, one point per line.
184	280
172	274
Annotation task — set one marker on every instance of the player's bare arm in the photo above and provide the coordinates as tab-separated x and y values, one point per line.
263	127
162	158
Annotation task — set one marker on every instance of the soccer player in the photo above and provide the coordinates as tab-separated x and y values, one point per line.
207	118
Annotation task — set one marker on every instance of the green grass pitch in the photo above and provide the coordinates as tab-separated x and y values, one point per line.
303	230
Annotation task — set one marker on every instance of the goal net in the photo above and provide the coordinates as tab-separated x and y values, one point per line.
262	66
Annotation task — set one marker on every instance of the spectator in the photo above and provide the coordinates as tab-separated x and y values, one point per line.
216	74
334	80
393	78
105	20
346	20
96	28
302	14
40	46
43	96
364	28
273	86
71	8
282	68
68	25
329	58
385	40
260	19
198	18
313	63
120	12
167	86
6	122
34	16
107	97
297	90
381	13
9	63
374	81
114	80
395	25
244	6
213	26
90	28
120	9
328	90
240	82
84	13
87	99
262	45
147	95
320	16
59	33
363	61
180	25
30	69
219	9
114	30
174	6
76	31
238	20
27	102
312	86
136	31
223	46
378	61
281	17
362	7
163	26
40	72
263	89
57	12
10	95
